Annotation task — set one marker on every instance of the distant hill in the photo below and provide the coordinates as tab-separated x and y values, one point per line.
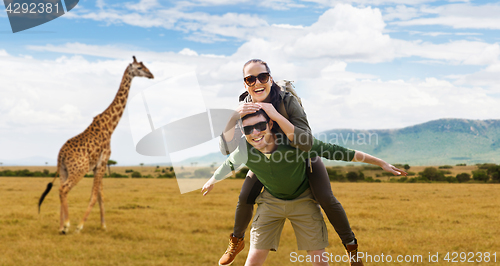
438	142
212	158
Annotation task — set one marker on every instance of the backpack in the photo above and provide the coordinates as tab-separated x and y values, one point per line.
287	86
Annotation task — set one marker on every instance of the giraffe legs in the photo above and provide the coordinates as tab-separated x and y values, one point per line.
63	196
100	198
64	189
71	173
96	195
62	228
93	199
100	195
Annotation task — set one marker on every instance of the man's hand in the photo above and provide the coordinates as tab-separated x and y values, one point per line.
391	169
208	186
362	157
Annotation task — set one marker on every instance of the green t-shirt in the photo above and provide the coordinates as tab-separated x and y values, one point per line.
284	173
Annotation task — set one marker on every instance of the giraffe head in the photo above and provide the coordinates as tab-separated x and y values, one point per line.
138	69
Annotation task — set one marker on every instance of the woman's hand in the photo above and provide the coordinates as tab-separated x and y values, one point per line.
270	110
208	186
247	108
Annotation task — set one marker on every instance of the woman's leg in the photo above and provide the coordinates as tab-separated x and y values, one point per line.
322	191
244	210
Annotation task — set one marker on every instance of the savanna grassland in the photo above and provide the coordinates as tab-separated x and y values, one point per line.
150	223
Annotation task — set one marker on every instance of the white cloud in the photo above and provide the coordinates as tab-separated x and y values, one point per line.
493	68
106	51
468	34
114	17
41	101
187	51
488	78
437	33
376	104
340	33
143	5
343	32
202	26
218	2
455	22
434	34
331	3
61	96
100	3
123	52
288	26
456	52
270	4
280	4
459	16
400	12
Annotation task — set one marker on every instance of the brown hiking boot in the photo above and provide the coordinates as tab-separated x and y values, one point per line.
235	246
352	252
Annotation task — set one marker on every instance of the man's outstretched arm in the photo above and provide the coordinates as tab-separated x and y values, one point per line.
235	159
362	157
336	152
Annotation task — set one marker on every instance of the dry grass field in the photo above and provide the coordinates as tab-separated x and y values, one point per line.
151	223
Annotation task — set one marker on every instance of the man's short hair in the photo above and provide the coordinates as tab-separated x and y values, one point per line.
259	112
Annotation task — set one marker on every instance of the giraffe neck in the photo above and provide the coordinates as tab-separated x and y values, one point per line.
111	116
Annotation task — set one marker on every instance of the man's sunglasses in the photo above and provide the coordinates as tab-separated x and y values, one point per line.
263	78
261	126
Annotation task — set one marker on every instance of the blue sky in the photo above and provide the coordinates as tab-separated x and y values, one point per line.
366	64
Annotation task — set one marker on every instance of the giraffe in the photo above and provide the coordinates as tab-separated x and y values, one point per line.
90	151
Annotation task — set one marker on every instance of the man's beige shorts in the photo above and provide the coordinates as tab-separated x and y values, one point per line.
304	214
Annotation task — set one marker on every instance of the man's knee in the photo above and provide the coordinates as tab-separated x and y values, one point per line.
256	257
318	257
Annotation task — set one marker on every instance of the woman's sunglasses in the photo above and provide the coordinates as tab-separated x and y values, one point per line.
261	126
263	78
